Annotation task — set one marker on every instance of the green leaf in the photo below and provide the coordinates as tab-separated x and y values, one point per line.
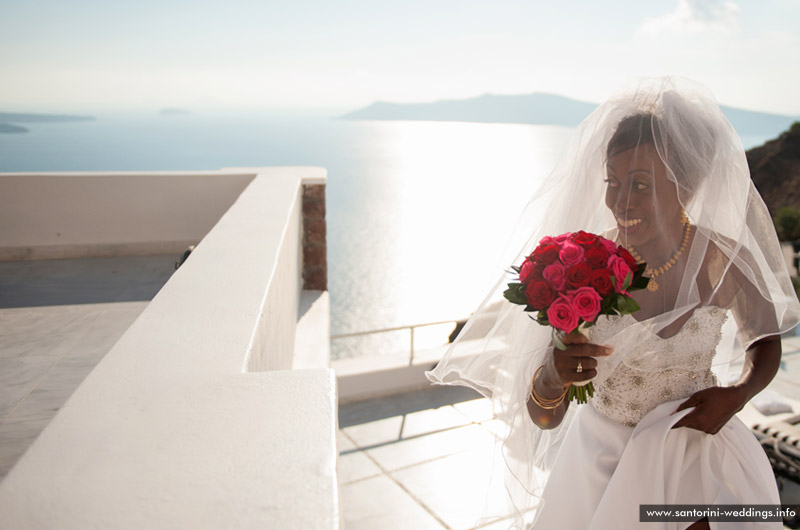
639	283
542	318
515	294
627	282
516	269
627	305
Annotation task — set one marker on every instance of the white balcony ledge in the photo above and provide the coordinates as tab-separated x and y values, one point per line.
196	418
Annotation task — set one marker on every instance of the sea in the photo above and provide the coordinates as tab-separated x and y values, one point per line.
416	211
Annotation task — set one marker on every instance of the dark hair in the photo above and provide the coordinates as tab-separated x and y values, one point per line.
688	160
634	131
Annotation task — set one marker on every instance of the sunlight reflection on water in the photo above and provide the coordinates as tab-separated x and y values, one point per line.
422	244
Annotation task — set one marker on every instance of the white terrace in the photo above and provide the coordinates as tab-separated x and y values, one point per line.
139	396
217	407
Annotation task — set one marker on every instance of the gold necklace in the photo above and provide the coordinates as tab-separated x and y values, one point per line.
652	285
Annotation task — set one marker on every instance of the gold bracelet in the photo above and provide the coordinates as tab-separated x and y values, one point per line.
544	403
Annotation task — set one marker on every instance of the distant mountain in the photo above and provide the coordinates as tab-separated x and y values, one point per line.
775	169
173	111
549	109
538	108
21	117
8	119
9	128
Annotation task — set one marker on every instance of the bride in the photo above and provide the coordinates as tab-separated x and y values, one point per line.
659	170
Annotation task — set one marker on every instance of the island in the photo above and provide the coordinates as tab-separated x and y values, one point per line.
173	111
11	129
538	109
8	120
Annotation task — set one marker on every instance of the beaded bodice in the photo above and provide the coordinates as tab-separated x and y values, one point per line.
627	394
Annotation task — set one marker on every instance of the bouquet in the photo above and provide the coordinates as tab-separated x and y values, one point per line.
571	279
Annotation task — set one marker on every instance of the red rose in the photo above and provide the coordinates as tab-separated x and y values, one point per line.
539	295
584	238
629	259
546	253
537	271
525	271
597	256
579	274
601	281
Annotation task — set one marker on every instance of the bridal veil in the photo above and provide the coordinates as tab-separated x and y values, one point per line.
731	257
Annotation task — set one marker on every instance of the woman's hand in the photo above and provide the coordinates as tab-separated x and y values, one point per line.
565	362
713	407
559	372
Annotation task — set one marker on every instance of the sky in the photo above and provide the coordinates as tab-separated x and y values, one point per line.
95	55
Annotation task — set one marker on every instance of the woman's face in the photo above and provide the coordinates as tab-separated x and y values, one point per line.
642	198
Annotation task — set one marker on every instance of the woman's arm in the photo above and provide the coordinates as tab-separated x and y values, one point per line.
548	386
558	372
715	406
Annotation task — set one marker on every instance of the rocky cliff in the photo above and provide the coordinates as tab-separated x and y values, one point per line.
775	169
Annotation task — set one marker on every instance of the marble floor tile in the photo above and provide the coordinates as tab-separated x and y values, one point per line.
15	438
431	446
353	464
376	432
58	319
497	427
356	466
376	409
464	490
406	426
83	280
379	503
477	410
18	377
432	420
60	346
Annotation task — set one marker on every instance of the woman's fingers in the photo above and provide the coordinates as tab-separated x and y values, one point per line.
691	402
567	362
584	350
575	337
575	377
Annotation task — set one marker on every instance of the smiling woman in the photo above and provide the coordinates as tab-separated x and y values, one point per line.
659	170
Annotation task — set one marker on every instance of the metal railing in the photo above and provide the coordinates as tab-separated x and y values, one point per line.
409	327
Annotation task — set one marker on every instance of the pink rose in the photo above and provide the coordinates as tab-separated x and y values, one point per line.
586	303
619	268
570	253
562	237
609	245
556	275
546	240
562	315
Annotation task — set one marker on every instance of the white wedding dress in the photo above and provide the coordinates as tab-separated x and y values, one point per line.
620	451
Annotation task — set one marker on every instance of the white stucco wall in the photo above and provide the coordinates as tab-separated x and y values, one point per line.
53	215
171	430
